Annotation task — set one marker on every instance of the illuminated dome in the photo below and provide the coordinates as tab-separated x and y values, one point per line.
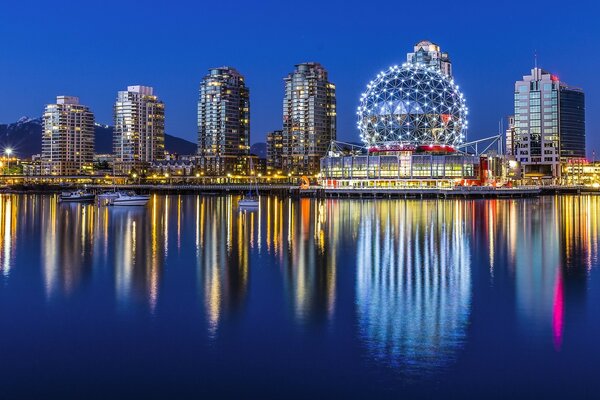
412	105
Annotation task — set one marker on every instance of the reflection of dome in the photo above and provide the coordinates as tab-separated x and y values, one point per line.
413	104
413	289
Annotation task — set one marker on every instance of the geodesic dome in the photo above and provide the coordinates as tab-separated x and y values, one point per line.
412	105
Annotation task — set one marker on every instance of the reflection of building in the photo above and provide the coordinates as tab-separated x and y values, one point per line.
9	206
223	240
67	234
413	288
549	250
303	245
223	122
549	124
309	118
67	138
139	135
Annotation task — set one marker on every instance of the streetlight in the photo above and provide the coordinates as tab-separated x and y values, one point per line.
8	151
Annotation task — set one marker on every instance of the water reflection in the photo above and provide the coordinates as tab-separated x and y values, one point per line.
406	270
8	225
139	239
566	232
223	240
67	248
413	285
299	236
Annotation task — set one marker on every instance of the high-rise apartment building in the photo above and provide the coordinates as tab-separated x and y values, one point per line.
223	122
309	118
67	138
428	53
510	134
275	151
549	124
139	136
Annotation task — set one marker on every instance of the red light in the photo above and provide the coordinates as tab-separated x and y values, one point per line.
554	78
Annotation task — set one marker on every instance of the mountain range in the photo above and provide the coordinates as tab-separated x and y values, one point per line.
25	138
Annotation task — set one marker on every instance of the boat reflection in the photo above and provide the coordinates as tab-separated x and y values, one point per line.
413	284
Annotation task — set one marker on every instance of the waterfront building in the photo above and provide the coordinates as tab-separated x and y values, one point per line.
429	54
549	124
173	167
139	135
67	138
223	122
578	171
275	151
412	121
309	119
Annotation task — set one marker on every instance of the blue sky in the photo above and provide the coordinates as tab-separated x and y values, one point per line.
94	49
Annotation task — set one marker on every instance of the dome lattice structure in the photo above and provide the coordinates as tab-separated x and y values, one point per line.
412	105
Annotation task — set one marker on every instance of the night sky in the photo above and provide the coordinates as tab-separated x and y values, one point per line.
93	49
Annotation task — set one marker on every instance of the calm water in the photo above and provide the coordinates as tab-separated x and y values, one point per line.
399	298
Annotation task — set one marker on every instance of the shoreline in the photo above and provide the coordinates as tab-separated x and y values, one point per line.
318	192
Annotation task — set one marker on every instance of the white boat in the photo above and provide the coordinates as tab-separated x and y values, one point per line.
76	196
106	197
129	199
251	199
248	202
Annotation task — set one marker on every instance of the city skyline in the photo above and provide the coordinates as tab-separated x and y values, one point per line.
487	64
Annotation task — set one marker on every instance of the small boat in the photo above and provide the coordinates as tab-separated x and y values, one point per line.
76	196
251	199
106	197
248	201
129	199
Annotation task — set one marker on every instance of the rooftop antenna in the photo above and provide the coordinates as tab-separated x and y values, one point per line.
535	59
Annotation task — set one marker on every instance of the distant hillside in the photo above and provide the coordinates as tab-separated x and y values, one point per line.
259	149
25	137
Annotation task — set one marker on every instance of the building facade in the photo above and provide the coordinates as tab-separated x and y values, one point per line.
309	119
549	124
139	135
67	138
399	170
430	54
223	123
275	151
510	134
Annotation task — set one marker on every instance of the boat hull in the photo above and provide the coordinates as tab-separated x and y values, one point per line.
248	203
77	199
130	202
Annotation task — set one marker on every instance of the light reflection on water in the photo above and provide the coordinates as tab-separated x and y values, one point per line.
406	271
413	283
